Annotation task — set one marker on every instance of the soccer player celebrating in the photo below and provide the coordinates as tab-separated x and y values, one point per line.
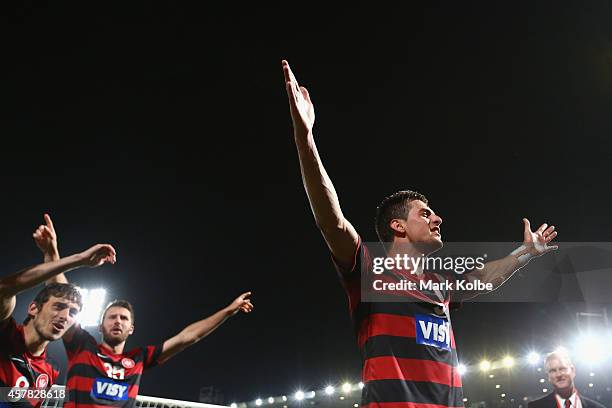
23	359
408	348
102	374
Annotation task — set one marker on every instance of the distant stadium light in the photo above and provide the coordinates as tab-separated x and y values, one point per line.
93	304
258	402
590	385
299	395
497	386
485	365
508	361
461	369
284	398
491	375
591	374
464	399
233	405
544	389
355	405
503	395
542	380
329	390
271	400
360	385
533	358
346	388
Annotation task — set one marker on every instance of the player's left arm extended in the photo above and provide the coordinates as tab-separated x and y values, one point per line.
200	329
534	244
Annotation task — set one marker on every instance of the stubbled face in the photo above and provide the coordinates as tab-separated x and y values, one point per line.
561	374
54	317
117	325
422	227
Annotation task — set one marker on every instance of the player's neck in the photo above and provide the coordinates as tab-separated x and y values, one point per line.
34	342
117	349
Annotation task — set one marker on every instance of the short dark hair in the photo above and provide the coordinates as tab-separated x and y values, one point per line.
397	205
120	303
59	290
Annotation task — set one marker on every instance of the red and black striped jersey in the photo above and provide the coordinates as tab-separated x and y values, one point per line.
407	347
18	367
99	378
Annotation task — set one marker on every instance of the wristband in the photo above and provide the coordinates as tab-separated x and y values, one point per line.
523	255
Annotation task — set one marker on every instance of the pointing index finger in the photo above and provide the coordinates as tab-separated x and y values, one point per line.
48	221
289	77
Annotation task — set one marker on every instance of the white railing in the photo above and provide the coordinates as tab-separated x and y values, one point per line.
142	401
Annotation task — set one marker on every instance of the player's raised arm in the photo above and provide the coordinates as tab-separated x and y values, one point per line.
200	329
45	238
13	284
341	237
534	245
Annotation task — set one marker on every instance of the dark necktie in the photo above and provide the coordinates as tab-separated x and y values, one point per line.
568	403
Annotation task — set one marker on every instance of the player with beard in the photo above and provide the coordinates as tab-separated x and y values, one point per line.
407	341
105	374
23	357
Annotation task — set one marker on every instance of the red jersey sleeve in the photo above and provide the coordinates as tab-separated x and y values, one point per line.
80	339
151	355
9	335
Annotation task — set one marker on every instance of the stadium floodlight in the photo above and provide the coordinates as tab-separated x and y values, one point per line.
590	349
329	390
299	395
360	385
356	405
544	389
464	399
503	395
258	402
346	387
508	361
461	369
284	397
233	405
591	374
93	304
590	385
533	358
497	386
485	365
270	400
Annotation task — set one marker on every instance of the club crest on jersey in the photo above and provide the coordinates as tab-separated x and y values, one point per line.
42	381
432	331
128	363
106	389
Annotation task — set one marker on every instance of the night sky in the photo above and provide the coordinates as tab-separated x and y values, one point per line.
163	128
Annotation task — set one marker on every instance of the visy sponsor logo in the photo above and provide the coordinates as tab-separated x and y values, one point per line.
109	390
432	331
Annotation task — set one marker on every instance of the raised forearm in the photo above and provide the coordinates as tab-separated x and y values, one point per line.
59	278
319	187
30	277
497	272
200	329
